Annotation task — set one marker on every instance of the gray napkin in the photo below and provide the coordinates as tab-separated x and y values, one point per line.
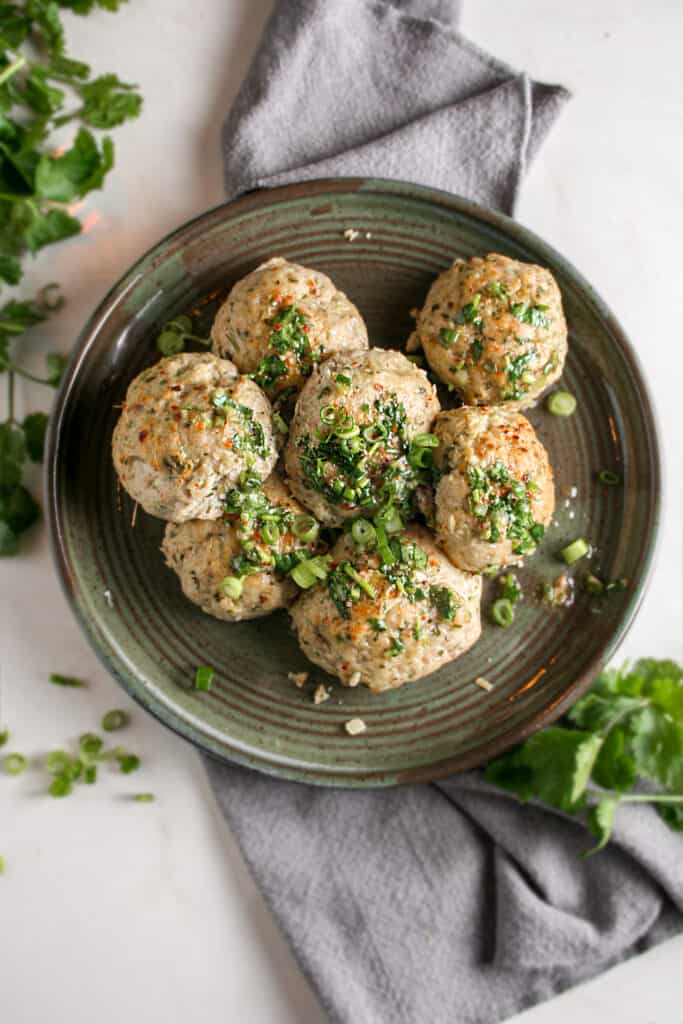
452	902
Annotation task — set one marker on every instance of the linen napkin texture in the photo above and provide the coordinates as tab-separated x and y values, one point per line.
448	903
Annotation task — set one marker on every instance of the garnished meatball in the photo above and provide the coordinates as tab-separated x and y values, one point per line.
236	567
190	425
494	330
280	321
496	494
356	442
383	618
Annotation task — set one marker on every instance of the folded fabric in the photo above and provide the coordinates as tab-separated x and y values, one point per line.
450	902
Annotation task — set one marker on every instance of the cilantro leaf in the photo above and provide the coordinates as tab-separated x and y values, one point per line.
108	102
561	761
9	542
10	268
12	456
627	728
672	814
601	821
53	226
657	746
56	364
614	767
35	426
18	509
78	171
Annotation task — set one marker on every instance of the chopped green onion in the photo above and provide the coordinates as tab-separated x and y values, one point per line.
509	587
58	762
65	680
61	786
307	572
280	423
503	612
616	586
14	764
115	720
342	379
90	774
129	762
386	554
305	528
561	403
4	736
578	548
328	415
231	586
270	533
144	798
593	585
363	532
170	342
374	432
203	677
2	865
90	744
353	574
426	441
607	477
390	520
347	428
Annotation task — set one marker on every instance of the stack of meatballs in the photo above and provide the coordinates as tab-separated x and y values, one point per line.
385	510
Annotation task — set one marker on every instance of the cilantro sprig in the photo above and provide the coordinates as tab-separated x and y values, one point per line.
43	89
626	732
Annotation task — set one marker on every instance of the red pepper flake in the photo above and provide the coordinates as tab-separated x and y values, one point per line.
143	434
227	444
200	425
177	387
305	328
277	327
289	298
174	408
378	387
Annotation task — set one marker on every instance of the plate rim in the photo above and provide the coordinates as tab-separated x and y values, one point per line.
184	724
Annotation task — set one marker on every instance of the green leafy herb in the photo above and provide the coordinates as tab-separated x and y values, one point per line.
534	315
37	184
502	505
627	728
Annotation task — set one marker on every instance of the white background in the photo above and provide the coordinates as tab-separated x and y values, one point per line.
117	911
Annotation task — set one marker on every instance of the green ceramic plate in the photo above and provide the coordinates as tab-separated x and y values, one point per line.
151	639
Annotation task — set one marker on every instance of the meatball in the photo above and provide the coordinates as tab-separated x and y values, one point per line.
232	567
354	440
282	319
385	625
189	426
494	330
496	494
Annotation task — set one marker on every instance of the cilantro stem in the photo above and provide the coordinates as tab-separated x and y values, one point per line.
29	376
11	69
10	395
650	798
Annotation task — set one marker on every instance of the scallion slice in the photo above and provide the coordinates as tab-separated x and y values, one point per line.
203	677
503	612
561	403
578	548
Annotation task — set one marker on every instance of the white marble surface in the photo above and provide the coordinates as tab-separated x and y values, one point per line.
125	912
